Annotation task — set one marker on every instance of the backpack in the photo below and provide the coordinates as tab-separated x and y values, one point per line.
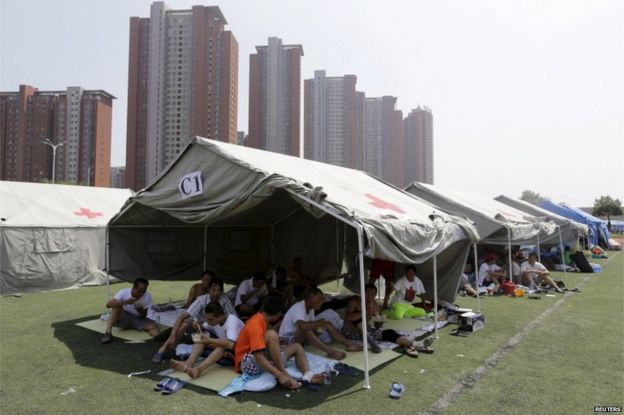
581	262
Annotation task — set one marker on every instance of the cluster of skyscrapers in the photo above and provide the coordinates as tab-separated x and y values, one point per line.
183	82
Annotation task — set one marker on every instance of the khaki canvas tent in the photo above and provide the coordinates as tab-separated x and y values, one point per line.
569	230
236	210
496	223
53	236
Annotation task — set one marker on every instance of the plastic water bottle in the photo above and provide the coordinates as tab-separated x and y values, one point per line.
328	374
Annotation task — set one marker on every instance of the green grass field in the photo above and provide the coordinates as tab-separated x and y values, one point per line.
561	355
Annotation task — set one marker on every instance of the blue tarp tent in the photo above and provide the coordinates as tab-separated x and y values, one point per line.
617	225
598	231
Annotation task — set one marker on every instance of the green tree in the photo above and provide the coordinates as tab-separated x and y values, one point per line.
607	206
533	197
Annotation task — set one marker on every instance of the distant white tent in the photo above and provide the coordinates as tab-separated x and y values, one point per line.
53	236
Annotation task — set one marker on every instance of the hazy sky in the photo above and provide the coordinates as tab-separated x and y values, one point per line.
524	94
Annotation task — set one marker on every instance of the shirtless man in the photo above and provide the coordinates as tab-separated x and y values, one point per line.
200	288
353	326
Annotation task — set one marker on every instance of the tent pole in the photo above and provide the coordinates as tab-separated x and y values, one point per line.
476	264
539	250
565	274
205	247
271	247
435	295
363	305
509	254
337	254
107	260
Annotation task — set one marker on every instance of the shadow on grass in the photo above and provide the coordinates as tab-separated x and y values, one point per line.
125	358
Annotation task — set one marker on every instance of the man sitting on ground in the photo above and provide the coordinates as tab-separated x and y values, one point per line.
300	325
129	310
200	288
250	294
385	269
301	280
223	331
535	274
408	287
258	348
490	272
353	326
465	284
195	312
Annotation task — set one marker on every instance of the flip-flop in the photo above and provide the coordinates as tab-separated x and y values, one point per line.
311	386
411	352
341	368
397	390
160	386
173	387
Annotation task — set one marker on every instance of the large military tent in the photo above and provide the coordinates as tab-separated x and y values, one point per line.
53	236
496	223
235	210
569	230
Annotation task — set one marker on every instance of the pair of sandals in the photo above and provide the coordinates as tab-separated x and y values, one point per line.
422	346
169	386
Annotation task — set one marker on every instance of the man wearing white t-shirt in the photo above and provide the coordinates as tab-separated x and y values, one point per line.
300	323
491	273
129	310
408	287
223	332
195	312
250	294
534	273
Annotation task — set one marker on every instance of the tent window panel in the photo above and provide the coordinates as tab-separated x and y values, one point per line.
54	240
240	241
161	243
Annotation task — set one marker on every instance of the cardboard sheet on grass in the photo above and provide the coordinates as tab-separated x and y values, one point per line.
356	359
214	378
99	326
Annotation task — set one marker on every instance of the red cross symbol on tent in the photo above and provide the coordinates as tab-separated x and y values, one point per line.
88	213
382	204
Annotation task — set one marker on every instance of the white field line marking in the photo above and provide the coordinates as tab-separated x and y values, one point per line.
471	380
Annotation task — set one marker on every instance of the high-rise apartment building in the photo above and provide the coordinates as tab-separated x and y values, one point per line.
182	82
274	97
418	141
383	139
331	130
78	121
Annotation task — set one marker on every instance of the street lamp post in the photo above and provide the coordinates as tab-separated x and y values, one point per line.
54	146
89	174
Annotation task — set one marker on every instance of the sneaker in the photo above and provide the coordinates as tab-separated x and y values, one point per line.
107	338
397	390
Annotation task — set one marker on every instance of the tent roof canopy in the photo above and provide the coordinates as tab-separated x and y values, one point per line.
492	218
54	205
239	187
529	208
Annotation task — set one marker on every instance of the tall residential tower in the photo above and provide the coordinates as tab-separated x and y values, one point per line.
274	97
333	112
418	141
182	82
